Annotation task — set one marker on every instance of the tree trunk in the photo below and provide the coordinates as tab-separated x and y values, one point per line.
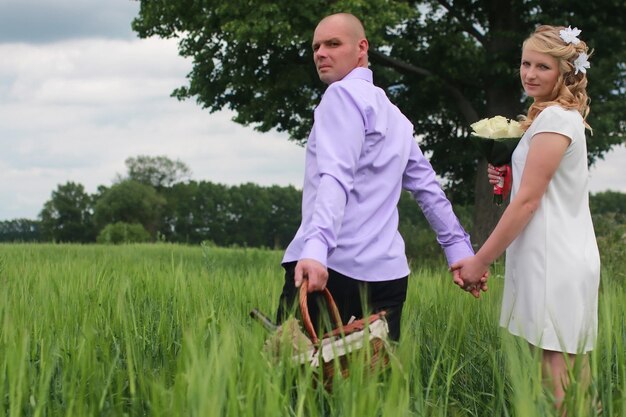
486	212
502	99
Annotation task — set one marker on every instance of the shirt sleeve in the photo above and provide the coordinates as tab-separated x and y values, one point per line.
555	119
339	130
420	180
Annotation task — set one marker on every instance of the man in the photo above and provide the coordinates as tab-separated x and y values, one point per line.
360	155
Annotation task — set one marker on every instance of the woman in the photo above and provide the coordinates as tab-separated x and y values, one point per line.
552	269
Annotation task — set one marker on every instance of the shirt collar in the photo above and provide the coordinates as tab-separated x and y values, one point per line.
360	73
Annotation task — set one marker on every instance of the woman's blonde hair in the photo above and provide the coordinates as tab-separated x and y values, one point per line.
570	91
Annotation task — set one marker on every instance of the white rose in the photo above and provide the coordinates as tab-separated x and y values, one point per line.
481	128
497	127
515	129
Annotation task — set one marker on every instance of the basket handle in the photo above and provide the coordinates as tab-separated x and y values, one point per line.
304	309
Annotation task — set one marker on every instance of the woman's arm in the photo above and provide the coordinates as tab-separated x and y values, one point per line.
544	156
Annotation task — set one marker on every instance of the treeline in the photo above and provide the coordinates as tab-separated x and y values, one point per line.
191	212
155	202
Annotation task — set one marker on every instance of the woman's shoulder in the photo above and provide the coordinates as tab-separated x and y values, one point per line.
559	112
557	119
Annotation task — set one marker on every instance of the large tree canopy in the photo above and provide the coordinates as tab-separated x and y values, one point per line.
445	63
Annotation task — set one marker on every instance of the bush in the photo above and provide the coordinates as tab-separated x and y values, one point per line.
609	202
611	236
121	232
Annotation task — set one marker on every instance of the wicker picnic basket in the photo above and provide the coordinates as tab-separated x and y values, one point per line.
365	339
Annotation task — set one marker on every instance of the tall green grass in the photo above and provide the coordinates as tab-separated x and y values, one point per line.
163	330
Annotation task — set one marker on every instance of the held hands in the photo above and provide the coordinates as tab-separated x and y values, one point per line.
471	275
315	272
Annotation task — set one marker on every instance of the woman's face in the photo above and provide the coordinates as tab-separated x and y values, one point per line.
539	73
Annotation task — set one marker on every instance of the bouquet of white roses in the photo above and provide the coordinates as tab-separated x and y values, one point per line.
497	138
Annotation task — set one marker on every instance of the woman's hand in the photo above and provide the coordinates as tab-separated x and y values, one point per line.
494	174
471	274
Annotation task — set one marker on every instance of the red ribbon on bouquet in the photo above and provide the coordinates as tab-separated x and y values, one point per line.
502	189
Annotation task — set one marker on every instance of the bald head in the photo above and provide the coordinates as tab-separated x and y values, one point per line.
339	46
350	22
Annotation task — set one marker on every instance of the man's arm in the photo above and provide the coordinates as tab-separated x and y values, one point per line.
339	136
420	180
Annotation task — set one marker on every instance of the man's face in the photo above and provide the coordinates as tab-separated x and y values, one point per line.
336	49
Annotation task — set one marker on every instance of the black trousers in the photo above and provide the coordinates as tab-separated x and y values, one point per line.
353	298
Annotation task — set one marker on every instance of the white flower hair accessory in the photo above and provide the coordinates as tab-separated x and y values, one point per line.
570	35
581	63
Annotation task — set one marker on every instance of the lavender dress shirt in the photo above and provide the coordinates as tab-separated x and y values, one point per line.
360	155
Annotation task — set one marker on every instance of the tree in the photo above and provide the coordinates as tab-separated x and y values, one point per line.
247	214
608	210
608	202
20	230
446	64
130	202
68	215
197	211
120	232
285	214
156	171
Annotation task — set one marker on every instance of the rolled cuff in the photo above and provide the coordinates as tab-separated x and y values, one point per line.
457	251
315	249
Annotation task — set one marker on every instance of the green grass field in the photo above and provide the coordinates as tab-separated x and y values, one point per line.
163	330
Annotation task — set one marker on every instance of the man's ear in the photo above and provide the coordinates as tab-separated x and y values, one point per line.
363	47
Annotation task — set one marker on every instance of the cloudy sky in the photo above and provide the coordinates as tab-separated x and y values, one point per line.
80	93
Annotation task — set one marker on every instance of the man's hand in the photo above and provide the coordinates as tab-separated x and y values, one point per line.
474	289
315	272
474	283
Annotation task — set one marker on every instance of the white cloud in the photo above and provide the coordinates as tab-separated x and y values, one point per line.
75	110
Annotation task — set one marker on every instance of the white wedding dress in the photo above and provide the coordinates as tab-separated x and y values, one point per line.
553	267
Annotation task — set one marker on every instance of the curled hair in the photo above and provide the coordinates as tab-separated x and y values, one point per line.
570	90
